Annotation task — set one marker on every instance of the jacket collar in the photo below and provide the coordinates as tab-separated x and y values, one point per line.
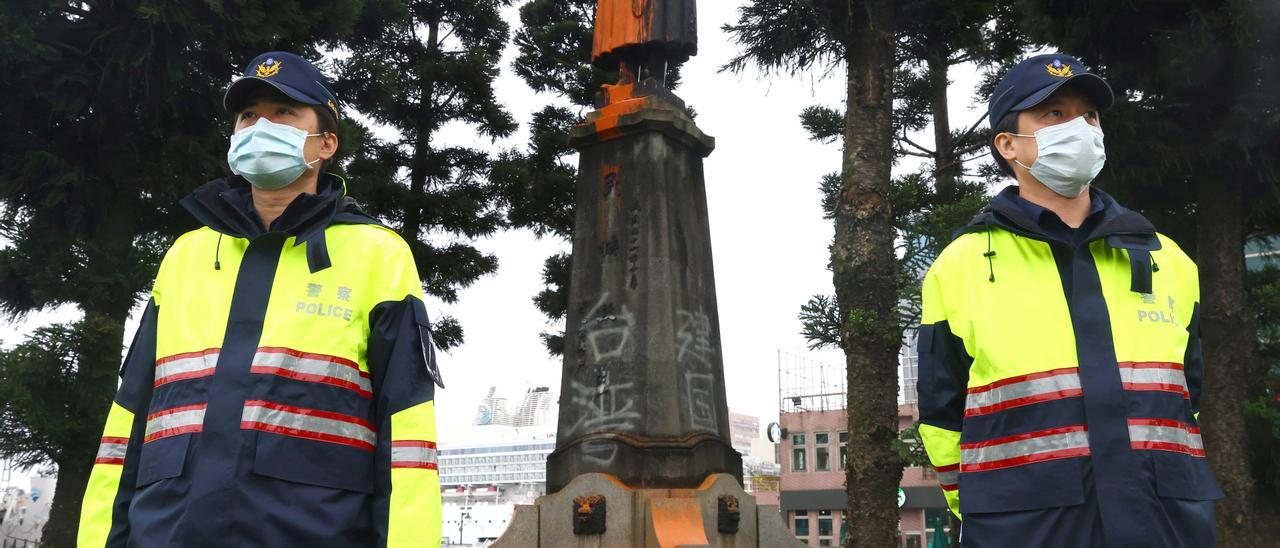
1119	224
1120	227
226	206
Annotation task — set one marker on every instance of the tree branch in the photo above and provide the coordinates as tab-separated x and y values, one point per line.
972	128
70	48
75	11
903	152
960	161
908	141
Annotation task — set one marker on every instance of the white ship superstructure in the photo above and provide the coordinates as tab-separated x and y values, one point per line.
501	463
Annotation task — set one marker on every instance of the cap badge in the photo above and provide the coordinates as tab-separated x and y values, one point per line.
1057	68
332	107
269	68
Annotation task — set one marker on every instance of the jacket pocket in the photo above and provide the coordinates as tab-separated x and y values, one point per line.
1048	484
314	462
1182	476
162	459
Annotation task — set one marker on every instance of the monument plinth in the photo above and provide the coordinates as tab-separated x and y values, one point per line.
642	454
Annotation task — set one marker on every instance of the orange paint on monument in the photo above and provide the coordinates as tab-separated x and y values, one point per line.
631	34
677	521
607	125
622	101
620	92
607	191
619	24
639	30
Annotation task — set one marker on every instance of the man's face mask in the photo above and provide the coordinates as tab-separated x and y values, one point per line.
268	154
1070	156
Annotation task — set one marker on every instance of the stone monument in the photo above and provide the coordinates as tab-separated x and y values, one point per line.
642	454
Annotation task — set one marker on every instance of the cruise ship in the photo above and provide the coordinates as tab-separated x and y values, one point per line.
502	463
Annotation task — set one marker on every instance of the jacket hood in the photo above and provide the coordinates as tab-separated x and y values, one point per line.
1117	220
226	206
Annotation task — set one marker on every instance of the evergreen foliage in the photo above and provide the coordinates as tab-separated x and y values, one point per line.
416	67
927	206
114	113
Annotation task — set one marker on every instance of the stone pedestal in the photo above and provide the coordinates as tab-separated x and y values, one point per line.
717	513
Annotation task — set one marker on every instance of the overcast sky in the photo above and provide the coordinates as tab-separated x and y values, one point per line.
768	236
769	240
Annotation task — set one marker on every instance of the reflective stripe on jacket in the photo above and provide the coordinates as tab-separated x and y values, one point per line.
1037	355
279	391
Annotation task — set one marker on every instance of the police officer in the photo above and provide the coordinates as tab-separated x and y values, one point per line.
1060	365
280	388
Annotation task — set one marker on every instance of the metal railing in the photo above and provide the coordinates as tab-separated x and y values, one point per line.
11	542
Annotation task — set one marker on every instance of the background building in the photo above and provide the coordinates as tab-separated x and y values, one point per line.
812	456
743	430
535	407
759	458
23	512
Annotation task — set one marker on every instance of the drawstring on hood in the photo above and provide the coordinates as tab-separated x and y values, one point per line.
216	251
990	255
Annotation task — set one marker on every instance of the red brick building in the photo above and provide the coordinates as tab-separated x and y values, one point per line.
812	496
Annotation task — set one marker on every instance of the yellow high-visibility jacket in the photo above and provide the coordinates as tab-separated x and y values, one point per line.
1046	364
279	391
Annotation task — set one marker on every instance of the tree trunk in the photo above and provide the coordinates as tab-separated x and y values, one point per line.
946	168
1232	366
422	144
863	266
64	513
97	359
98	363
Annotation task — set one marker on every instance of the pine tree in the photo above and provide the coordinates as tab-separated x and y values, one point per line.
114	112
929	37
793	36
944	194
538	183
417	66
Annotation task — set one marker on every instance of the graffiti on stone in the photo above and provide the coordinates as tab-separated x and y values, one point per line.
604	333
600	453
633	248
605	341
699	392
604	407
694	339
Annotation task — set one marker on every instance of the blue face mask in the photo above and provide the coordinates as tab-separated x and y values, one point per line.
268	154
1070	156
